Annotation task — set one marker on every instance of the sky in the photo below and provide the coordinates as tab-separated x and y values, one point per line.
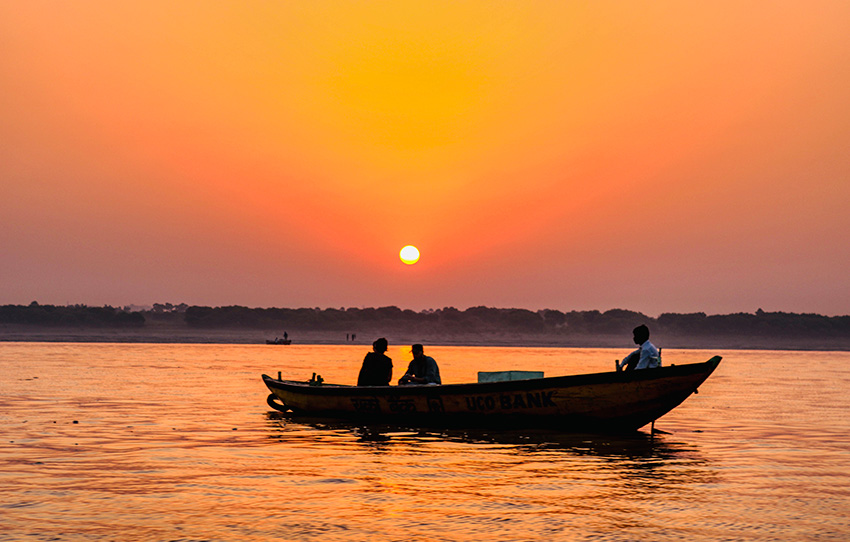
652	156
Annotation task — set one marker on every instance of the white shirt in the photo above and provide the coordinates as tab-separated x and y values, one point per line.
649	357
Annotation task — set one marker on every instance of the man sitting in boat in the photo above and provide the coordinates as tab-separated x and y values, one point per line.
645	357
422	369
377	369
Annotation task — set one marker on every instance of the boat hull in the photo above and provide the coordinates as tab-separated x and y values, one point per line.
614	401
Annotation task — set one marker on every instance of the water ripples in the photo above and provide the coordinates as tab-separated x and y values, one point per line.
175	442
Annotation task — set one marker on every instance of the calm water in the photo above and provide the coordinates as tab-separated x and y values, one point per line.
175	442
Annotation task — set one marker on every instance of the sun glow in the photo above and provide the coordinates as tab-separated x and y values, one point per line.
409	254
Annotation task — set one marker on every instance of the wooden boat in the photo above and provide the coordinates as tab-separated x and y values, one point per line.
613	401
279	341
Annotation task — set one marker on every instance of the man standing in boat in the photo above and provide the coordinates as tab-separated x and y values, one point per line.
645	357
422	369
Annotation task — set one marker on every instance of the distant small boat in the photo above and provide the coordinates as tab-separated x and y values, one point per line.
600	402
278	341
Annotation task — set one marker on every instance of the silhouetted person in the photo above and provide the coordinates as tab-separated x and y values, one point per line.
285	335
422	369
377	369
645	357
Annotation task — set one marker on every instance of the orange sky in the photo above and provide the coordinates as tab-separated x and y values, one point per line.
659	157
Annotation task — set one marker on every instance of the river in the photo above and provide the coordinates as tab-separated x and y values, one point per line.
175	442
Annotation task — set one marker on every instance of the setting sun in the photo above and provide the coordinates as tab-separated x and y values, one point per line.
409	254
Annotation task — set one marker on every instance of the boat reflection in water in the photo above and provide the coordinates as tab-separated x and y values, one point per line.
631	444
638	461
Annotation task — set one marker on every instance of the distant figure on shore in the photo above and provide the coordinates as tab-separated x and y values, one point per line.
377	369
422	369
285	335
645	357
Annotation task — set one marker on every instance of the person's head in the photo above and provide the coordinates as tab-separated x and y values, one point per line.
641	334
380	345
417	350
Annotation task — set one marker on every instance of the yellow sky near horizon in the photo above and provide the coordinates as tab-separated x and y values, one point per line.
281	153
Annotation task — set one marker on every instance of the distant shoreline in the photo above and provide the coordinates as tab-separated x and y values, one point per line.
181	334
475	326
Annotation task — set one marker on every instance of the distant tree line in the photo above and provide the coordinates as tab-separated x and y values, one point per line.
447	320
487	319
71	315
